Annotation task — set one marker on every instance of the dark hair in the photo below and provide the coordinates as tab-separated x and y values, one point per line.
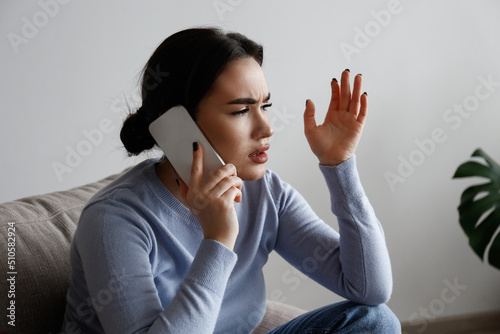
180	72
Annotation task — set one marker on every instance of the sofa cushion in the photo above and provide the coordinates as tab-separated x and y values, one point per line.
41	229
276	315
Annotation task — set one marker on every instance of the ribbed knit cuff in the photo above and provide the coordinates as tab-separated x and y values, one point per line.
212	266
344	184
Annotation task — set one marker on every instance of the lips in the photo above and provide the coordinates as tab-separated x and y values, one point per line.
259	156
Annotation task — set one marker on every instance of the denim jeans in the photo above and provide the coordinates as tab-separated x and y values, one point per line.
342	318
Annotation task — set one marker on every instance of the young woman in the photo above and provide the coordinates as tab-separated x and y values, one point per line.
155	255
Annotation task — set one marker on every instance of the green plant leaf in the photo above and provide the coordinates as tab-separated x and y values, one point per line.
479	207
493	258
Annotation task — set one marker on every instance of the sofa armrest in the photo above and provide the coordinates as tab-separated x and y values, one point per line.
36	234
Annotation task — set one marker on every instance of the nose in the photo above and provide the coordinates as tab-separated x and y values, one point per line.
262	125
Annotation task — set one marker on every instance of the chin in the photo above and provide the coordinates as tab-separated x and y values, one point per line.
253	174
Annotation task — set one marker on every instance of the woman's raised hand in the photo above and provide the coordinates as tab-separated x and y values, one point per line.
335	141
212	203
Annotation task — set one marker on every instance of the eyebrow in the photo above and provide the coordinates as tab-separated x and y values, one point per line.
248	100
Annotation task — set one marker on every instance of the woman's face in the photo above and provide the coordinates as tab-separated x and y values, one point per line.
234	118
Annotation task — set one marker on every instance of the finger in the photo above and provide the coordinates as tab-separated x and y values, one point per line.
309	119
363	110
335	99
345	91
233	194
239	197
236	174
197	166
225	171
356	94
225	184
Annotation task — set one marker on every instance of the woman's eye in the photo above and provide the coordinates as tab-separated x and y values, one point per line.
240	112
265	106
244	111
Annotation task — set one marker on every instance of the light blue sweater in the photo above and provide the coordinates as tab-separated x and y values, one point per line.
140	263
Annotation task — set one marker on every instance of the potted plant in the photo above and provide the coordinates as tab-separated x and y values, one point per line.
479	207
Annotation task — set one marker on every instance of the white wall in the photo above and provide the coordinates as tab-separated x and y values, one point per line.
72	73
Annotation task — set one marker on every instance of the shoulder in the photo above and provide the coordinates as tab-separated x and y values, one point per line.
132	183
123	200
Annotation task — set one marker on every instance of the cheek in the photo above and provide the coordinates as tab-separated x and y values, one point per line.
228	143
228	135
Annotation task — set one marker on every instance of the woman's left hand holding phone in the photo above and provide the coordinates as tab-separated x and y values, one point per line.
212	203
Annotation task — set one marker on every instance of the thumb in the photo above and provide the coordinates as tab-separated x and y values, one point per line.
309	119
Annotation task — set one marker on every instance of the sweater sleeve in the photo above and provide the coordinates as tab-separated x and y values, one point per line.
354	262
112	245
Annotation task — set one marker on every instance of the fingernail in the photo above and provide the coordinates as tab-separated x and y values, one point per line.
334	79
360	74
365	93
347	70
177	181
307	101
195	146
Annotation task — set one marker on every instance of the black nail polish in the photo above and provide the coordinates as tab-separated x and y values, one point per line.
365	93
177	181
348	70
334	80
307	101
360	74
195	146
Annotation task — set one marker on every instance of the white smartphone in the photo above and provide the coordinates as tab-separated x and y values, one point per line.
175	131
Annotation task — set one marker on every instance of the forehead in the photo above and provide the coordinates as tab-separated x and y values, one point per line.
242	78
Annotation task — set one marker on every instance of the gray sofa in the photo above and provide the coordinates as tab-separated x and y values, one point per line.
36	235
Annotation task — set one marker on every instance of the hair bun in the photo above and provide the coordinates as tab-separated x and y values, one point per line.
135	134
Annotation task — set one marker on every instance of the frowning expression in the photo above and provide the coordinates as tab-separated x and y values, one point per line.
234	118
